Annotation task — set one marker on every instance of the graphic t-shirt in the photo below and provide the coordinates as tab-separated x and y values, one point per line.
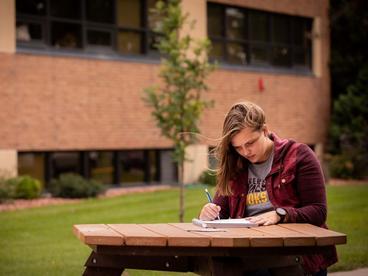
257	197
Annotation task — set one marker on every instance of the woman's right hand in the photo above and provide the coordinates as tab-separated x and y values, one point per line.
210	211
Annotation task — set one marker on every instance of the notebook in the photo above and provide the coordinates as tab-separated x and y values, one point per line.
224	223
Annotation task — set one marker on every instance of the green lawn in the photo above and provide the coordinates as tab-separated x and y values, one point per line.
39	241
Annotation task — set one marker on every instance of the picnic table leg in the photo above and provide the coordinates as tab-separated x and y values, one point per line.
226	266
98	266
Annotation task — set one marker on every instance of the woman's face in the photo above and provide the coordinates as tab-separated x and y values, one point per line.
251	144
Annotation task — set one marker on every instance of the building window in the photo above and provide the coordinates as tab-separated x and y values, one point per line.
124	167
98	26
101	166
247	37
32	164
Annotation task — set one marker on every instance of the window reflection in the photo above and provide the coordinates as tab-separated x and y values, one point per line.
129	42
65	162
214	20
235	24
236	53
32	164
133	166
101	166
129	13
259	27
66	35
259	38
27	31
32	7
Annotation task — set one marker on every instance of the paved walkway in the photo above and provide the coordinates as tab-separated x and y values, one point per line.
357	272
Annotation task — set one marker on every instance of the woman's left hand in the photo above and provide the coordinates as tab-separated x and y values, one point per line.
268	218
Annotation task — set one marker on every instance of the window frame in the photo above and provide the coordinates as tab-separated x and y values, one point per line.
86	25
267	45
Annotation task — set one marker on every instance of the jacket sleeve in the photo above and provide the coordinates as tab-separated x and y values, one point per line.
311	191
223	202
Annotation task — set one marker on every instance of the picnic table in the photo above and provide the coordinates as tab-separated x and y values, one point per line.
185	247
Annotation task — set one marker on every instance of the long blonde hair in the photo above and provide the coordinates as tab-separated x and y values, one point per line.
240	116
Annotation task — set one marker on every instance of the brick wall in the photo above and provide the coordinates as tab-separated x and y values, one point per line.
69	103
54	102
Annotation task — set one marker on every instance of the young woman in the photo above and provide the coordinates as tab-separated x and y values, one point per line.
267	179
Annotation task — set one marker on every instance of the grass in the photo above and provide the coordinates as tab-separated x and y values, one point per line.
39	241
347	213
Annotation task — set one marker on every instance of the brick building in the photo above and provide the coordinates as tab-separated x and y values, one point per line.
72	75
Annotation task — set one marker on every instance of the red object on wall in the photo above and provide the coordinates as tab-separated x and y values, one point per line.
260	85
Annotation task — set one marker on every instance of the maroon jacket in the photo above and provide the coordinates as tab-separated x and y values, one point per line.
296	184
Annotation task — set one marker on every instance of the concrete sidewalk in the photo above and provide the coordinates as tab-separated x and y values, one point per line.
357	272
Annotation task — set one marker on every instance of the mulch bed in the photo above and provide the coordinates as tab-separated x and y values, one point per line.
45	201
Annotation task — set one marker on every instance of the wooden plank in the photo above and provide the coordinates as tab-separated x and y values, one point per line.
290	237
97	234
323	236
236	237
258	238
178	237
139	236
219	237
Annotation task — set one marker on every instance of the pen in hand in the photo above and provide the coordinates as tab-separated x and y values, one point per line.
209	198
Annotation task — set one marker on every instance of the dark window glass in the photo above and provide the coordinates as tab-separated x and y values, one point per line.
129	13
258	38
236	53
215	20
32	164
28	31
65	162
66	9
300	57
100	11
66	35
259	26
101	166
259	54
133	166
235	24
32	7
98	38
281	56
217	51
153	165
103	26
153	41
280	29
299	32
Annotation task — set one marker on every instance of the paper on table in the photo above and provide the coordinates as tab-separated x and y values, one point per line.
224	223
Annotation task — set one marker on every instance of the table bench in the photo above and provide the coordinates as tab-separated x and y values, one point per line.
185	247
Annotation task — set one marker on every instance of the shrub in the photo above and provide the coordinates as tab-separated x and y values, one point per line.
7	190
341	166
24	187
71	185
208	177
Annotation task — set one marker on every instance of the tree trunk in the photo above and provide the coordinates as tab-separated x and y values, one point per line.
181	192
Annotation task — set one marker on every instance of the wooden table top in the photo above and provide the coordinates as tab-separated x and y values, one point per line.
189	235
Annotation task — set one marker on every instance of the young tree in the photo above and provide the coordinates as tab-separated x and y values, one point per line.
178	104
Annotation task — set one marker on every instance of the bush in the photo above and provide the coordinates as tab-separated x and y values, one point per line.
25	187
71	185
341	166
7	190
208	177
